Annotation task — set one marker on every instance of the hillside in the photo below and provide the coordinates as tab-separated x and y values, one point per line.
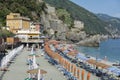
113	22
93	25
28	8
33	10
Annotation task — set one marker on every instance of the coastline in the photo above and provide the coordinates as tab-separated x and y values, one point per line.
108	62
106	67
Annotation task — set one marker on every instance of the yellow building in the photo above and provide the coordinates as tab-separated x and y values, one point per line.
16	22
28	35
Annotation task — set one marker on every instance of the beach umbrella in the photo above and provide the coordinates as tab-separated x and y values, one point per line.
33	55
83	72
88	76
74	70
78	74
68	66
32	51
71	67
81	57
28	79
35	71
39	74
34	63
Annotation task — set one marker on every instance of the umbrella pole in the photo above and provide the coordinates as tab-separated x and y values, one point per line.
39	74
29	75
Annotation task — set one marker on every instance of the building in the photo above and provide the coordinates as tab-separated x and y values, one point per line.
16	22
27	34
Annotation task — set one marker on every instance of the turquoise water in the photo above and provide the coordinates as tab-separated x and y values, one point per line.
109	48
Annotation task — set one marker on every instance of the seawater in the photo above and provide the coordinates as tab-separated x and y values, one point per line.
109	48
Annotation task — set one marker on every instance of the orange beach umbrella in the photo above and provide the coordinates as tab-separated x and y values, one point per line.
88	76
83	72
78	74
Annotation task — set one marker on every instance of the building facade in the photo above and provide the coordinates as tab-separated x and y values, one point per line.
16	22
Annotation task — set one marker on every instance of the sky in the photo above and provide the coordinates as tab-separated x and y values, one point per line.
110	7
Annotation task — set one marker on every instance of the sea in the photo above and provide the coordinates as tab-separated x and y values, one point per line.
109	49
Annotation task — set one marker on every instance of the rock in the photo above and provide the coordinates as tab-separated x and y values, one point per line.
76	37
61	36
78	25
92	40
58	30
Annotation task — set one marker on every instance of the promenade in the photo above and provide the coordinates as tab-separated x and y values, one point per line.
17	69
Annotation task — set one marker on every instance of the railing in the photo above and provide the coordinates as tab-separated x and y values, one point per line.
31	40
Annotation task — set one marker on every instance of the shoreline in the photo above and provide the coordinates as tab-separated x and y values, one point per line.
108	62
109	59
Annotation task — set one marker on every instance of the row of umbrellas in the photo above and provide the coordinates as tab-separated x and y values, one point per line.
10	56
113	70
33	68
65	63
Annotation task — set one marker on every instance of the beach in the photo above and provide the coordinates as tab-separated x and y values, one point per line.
18	68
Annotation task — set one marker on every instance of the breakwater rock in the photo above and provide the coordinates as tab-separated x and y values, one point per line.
93	41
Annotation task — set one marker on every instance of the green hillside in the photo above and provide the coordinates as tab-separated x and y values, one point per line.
28	8
113	22
33	9
93	25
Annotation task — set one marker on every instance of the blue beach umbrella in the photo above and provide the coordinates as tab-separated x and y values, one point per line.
82	57
66	51
114	70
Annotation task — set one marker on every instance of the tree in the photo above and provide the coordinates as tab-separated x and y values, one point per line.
65	17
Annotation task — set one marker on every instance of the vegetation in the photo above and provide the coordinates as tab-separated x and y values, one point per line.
113	22
65	17
93	25
28	8
5	33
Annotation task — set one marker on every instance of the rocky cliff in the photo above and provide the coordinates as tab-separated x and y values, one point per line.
57	29
53	25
